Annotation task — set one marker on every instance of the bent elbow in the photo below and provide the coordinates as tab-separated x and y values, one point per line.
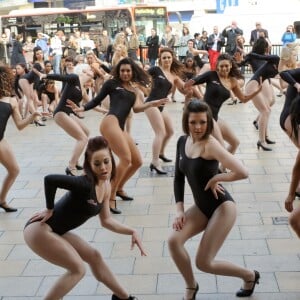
243	174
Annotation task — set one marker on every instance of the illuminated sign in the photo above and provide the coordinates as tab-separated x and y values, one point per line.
154	11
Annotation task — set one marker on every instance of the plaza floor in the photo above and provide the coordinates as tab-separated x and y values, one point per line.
261	238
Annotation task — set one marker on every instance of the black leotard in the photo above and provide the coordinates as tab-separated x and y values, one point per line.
215	93
5	113
121	100
291	77
263	66
161	86
75	207
198	172
42	90
72	91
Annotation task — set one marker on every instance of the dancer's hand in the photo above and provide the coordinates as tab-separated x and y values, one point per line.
179	221
74	107
135	239
160	102
289	203
42	216
188	84
215	187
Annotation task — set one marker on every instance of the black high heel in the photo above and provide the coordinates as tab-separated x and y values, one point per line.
123	196
114	210
246	293
158	171
79	168
260	145
114	297
270	141
195	289
39	123
70	171
297	194
8	208
165	159
233	102
255	123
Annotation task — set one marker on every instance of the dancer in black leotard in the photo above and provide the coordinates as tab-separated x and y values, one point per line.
48	234
25	87
214	212
123	97
290	122
164	78
9	107
264	67
219	84
48	94
65	117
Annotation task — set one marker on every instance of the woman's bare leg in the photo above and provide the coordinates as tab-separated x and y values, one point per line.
228	136
76	129
158	125
97	264
169	131
8	160
56	250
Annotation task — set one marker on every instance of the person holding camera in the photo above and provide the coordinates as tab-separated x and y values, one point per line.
289	36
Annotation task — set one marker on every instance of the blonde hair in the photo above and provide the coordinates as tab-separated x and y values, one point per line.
287	54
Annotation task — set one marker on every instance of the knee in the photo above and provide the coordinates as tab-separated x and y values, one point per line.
295	223
173	243
84	139
94	257
169	133
14	172
203	264
78	270
137	163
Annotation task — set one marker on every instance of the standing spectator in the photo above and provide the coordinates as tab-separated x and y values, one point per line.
153	44
230	33
168	39
182	49
289	36
132	42
214	211
56	50
103	43
28	50
17	55
4	49
256	33
10	36
86	44
215	43
42	42
197	43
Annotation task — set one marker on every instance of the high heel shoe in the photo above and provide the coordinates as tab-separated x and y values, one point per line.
158	171
255	123
297	194
39	123
233	102
114	297
70	171
114	210
8	208
79	168
270	141
246	293
260	145
165	159
123	196
195	289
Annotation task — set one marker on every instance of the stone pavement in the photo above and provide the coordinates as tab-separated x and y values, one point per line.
261	238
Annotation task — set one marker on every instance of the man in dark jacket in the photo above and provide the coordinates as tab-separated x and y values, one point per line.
153	44
255	34
230	32
215	43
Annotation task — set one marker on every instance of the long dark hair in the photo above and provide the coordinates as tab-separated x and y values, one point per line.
197	106
260	46
95	144
6	81
138	74
176	66
295	116
234	71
